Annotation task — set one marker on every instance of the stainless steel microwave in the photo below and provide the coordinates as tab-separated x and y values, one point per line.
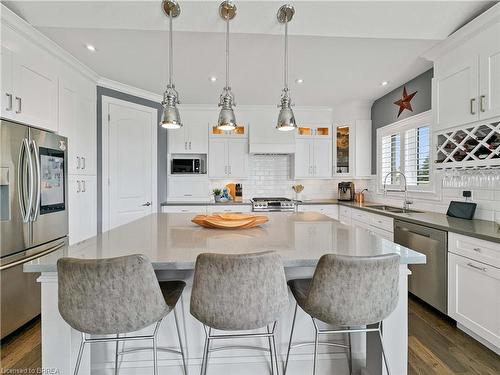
188	166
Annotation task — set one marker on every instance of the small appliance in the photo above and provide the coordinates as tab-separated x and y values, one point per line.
238	195
346	191
272	204
188	166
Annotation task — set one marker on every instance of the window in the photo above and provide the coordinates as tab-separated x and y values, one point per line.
405	146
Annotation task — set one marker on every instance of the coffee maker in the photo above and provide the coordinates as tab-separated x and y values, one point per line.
346	191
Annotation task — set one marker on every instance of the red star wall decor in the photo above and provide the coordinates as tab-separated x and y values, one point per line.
405	101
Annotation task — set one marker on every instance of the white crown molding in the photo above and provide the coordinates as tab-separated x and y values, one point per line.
26	30
468	31
127	89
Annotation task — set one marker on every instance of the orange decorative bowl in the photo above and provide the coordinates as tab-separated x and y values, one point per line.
229	221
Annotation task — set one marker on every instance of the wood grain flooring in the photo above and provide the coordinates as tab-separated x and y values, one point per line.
436	347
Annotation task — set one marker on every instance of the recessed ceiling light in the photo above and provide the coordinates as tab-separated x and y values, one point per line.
299	81
384	83
90	47
213	79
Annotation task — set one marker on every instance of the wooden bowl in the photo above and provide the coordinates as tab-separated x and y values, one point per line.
229	221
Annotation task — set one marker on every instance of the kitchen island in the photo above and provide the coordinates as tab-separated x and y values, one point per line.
172	243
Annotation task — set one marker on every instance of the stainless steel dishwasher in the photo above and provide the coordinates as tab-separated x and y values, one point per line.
429	281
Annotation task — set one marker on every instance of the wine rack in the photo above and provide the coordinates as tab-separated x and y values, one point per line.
470	146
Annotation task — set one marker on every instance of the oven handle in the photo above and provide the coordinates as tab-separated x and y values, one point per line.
36	210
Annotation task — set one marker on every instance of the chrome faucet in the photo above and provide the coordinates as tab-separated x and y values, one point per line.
406	202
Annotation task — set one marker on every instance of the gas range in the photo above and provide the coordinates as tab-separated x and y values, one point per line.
272	204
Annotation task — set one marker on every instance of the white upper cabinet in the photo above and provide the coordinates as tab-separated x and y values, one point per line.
313	153
303	158
322	165
466	84
30	95
228	157
77	121
192	138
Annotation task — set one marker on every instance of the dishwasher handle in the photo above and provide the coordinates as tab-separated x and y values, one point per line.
412	232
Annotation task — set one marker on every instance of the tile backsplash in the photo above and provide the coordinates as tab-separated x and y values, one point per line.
270	176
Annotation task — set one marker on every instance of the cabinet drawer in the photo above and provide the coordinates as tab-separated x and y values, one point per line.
184	209
474	248
344	211
382	222
364	217
188	188
330	210
229	208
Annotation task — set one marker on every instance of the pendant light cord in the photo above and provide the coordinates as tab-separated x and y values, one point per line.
227	52
286	56
171	51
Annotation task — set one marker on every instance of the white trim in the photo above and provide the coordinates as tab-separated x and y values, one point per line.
127	89
465	33
106	101
27	31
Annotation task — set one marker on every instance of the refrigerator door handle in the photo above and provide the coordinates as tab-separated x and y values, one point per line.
38	181
22	176
34	256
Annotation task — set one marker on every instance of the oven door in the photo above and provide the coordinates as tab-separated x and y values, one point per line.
183	166
50	212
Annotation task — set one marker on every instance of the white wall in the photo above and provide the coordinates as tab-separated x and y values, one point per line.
269	176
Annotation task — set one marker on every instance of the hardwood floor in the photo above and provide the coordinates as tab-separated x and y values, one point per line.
436	346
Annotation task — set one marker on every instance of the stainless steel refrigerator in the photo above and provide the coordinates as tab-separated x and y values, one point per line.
33	214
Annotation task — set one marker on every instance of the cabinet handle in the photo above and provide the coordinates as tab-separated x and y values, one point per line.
185	145
476	267
188	195
477	249
83	162
481	103
190	145
9	106
79	188
19	104
77	162
229	169
225	169
472	101
83	187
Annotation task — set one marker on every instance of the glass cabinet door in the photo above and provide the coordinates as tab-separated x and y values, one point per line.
342	149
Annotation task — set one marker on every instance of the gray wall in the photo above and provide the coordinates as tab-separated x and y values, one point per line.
385	112
162	147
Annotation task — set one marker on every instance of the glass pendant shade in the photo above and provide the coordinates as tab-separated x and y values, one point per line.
286	119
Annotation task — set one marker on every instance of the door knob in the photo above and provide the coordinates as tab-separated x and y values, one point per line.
147	204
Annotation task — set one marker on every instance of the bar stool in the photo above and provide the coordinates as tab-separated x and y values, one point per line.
116	296
346	292
239	293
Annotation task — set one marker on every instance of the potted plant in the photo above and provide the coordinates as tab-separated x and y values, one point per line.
217	194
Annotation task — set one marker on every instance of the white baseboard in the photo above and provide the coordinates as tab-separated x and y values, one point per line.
488	344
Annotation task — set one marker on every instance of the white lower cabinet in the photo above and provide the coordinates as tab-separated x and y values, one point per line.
188	188
198	209
330	210
379	225
474	297
229	208
82	192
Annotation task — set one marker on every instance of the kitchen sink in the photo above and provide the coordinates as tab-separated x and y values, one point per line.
396	210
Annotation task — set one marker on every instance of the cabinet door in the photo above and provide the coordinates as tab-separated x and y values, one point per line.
68	124
303	158
176	141
88	208
322	166
363	149
455	95
343	149
35	85
74	209
7	101
217	158
489	95
196	132
86	132
237	155
474	296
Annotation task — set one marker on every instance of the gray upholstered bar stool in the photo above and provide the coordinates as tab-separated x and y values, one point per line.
116	296
348	292
239	293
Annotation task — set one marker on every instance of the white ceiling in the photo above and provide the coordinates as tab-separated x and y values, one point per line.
342	50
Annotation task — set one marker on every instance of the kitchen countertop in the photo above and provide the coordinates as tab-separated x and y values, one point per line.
482	229
172	241
206	203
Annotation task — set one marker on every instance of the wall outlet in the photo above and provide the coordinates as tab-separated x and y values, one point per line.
467	194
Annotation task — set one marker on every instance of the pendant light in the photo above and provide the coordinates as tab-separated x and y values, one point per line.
286	119
227	120
170	118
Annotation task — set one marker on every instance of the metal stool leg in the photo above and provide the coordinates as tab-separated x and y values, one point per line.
271	356
316	339
290	342
349	352
204	362
116	355
383	351
273	339
180	341
80	353
155	348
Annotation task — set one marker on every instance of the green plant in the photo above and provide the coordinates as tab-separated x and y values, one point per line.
216	192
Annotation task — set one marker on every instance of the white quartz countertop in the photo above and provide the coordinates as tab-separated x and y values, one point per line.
172	241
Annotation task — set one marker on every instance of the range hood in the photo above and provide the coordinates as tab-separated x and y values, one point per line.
264	138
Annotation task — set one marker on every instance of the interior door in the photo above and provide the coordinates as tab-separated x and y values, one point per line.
14	233
130	163
50	214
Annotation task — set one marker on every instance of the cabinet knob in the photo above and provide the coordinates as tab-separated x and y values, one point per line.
147	204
